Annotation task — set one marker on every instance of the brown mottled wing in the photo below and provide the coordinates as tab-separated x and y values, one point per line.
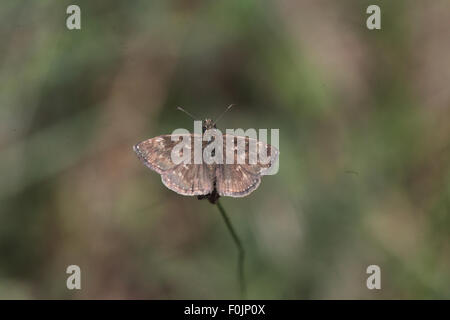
185	179
239	180
190	179
155	153
233	180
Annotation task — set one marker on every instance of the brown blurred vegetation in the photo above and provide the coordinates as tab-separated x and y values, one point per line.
364	138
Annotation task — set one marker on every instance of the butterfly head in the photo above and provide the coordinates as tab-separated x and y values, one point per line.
207	124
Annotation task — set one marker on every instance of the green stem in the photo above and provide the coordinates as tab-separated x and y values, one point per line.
241	252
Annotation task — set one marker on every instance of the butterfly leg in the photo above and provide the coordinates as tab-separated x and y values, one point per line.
212	197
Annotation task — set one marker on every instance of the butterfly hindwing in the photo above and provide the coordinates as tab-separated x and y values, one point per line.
243	177
190	179
234	180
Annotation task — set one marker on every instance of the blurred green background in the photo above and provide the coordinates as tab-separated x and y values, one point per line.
364	139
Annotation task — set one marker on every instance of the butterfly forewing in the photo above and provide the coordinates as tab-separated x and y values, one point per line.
155	153
183	178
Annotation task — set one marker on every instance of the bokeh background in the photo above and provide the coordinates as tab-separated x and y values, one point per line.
364	138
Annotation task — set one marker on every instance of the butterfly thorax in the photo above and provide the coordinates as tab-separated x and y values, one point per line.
208	124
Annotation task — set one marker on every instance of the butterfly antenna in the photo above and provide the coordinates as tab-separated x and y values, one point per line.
190	115
228	108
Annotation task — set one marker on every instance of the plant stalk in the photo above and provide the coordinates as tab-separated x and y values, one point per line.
241	252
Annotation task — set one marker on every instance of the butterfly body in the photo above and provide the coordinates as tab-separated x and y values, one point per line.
206	180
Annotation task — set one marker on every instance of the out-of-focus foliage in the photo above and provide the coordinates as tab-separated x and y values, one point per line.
364	138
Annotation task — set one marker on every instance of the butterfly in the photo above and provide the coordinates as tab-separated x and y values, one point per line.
207	181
